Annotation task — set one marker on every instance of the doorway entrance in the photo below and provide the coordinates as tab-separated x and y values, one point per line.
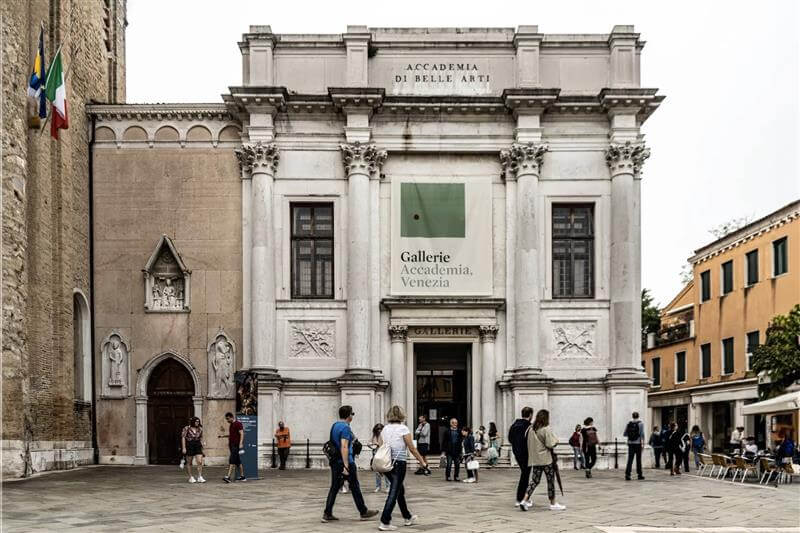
442	386
169	407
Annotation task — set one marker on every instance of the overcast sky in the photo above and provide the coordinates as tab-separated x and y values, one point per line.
724	143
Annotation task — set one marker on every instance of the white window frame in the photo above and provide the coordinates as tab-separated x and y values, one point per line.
685	366
722	356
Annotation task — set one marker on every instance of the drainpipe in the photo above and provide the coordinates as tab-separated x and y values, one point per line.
95	448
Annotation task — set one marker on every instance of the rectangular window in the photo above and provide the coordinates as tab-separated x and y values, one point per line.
780	257
680	367
573	251
705	285
656	371
727	277
751	262
312	250
705	360
752	344
727	356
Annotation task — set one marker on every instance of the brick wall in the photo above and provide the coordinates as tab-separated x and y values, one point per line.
46	224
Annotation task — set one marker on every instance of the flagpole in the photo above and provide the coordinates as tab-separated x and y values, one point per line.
66	69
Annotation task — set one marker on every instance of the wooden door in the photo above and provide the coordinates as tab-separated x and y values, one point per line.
169	408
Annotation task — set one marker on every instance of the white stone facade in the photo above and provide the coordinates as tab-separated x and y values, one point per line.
543	119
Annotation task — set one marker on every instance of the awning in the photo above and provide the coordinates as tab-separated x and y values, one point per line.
784	402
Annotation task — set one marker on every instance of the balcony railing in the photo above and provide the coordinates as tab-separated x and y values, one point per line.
672	334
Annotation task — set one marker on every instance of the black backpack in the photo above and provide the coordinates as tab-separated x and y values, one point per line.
632	430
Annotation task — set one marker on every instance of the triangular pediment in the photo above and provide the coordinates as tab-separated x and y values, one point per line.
165	258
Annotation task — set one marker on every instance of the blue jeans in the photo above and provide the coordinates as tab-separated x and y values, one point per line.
337	480
397	493
450	460
577	457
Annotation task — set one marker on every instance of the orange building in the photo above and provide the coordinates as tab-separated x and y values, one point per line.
700	359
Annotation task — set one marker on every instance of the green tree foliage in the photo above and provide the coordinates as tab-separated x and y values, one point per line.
779	356
651	315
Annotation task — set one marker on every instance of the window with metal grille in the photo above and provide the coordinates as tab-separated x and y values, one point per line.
312	250
705	360
751	260
705	285
727	356
573	251
780	257
680	367
656	370
752	344
727	277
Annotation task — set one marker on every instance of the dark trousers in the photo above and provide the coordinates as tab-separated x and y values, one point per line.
590	455
283	453
397	493
670	457
451	459
337	480
524	477
549	474
685	455
658	452
423	451
634	450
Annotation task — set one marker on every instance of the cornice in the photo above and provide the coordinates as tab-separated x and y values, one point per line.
642	101
349	98
201	111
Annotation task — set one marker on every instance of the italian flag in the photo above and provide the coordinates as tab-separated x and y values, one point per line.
56	92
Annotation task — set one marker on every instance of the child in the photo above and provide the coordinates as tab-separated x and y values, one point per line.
575	442
374	444
469	454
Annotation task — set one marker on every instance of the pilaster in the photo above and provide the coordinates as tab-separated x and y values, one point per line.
356	42
399	337
527	41
623	45
488	335
258	56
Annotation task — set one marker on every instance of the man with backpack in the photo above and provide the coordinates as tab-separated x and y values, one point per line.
634	431
589	441
340	450
519	446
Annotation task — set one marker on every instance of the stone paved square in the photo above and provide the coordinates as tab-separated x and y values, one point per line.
157	498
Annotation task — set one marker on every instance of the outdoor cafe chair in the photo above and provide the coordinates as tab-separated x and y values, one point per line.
722	462
706	463
744	467
767	470
786	473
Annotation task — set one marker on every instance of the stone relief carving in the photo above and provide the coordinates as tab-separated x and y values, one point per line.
522	159
362	158
621	157
258	154
166	279
573	340
221	366
115	353
312	340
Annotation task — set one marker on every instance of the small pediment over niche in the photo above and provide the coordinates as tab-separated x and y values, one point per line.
167	280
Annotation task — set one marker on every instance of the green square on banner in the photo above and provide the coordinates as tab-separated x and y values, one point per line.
432	210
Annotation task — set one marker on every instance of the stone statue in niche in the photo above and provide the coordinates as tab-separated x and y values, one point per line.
574	339
166	279
115	353
221	361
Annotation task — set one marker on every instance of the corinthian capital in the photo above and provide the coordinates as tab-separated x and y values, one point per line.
398	333
488	333
258	155
362	158
522	159
626	157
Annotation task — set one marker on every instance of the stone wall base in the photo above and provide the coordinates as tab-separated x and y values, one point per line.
44	455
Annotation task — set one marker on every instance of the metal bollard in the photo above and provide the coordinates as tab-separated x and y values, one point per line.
308	453
274	462
616	455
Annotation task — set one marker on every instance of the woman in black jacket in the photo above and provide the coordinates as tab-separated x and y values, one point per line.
674	447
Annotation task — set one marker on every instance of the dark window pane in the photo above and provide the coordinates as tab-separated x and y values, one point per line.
752	344
573	251
752	267
727	277
727	355
705	356
312	250
705	285
680	366
656	372
780	256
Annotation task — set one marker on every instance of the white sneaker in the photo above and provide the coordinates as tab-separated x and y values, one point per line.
557	507
201	479
469	480
411	521
377	489
516	505
387	527
192	480
183	463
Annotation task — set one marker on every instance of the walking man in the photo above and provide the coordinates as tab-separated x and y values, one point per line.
423	436
451	448
657	445
634	431
284	441
236	446
519	446
343	466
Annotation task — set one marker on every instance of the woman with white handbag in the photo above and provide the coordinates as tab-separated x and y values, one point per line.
390	459
471	448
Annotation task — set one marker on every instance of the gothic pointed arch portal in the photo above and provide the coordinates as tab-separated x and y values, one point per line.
168	393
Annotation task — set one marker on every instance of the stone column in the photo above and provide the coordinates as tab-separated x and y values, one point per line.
488	334
625	161
399	334
524	161
141	430
360	162
261	161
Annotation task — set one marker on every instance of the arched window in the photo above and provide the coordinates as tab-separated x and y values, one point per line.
81	347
